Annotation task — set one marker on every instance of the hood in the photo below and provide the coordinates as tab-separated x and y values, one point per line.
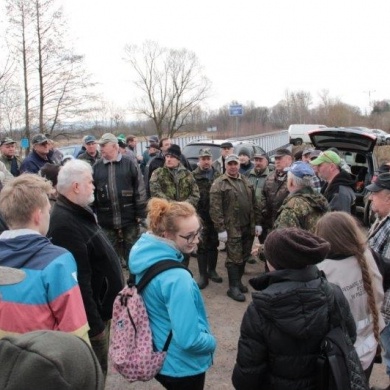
316	200
19	251
150	249
294	301
344	179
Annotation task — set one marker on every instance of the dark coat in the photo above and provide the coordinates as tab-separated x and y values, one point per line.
34	162
98	266
282	330
118	199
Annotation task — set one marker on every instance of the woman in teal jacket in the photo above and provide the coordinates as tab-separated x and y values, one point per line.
172	298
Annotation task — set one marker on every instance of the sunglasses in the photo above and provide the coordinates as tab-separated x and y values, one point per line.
191	237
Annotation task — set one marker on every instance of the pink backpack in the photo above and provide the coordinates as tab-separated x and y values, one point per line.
131	344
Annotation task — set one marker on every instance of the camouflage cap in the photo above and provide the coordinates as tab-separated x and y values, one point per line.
206	152
232	157
106	138
7	141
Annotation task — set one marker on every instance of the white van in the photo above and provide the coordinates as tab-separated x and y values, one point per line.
298	133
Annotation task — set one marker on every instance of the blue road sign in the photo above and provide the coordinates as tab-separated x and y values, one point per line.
236	110
24	143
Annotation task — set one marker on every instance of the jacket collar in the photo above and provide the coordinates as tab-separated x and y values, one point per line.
296	275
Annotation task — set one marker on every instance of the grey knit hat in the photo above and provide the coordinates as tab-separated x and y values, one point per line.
48	360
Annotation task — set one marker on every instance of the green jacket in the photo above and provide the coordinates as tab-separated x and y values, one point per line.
302	209
224	205
174	184
258	180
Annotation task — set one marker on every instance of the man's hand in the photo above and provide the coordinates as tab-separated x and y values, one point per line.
223	236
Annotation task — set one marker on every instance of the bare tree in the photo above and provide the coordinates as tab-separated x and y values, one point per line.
56	84
171	85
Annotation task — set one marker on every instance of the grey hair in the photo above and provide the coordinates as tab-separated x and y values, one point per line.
72	171
305	181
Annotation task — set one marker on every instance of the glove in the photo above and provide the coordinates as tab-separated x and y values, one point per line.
222	236
258	230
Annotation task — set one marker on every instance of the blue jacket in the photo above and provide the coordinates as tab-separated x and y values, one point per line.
33	163
174	302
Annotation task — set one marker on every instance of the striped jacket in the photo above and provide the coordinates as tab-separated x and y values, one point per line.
49	297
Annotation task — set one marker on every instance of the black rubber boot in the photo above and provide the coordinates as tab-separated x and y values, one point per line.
203	280
212	258
234	291
242	287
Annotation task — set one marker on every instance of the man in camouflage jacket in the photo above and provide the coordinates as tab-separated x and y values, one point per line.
303	207
275	189
173	181
205	174
236	216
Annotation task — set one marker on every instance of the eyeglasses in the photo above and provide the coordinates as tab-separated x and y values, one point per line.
191	237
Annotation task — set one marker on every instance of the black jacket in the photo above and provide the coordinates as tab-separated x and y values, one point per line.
282	330
340	192
118	200
98	266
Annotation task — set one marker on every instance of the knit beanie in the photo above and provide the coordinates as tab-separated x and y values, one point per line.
48	360
174	151
244	152
293	248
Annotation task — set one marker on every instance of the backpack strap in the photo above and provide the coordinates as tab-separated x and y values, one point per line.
153	271
156	269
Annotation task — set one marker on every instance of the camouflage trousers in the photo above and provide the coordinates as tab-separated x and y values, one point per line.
238	249
122	240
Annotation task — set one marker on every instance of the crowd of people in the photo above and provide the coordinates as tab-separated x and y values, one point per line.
74	229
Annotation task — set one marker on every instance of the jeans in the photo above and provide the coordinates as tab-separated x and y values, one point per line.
195	382
385	342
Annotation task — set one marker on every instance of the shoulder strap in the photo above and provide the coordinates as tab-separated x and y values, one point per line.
153	271
156	269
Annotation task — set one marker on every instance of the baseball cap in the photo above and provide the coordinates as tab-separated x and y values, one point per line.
153	138
260	155
283	152
107	137
327	157
206	152
307	151
382	182
153	145
226	145
89	138
7	141
39	139
315	153
232	157
300	169
10	275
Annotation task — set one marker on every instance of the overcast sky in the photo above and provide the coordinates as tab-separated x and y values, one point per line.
252	50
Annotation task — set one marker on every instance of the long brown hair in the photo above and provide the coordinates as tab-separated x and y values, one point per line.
341	230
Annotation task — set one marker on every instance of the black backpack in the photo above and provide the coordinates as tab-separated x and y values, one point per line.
338	364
